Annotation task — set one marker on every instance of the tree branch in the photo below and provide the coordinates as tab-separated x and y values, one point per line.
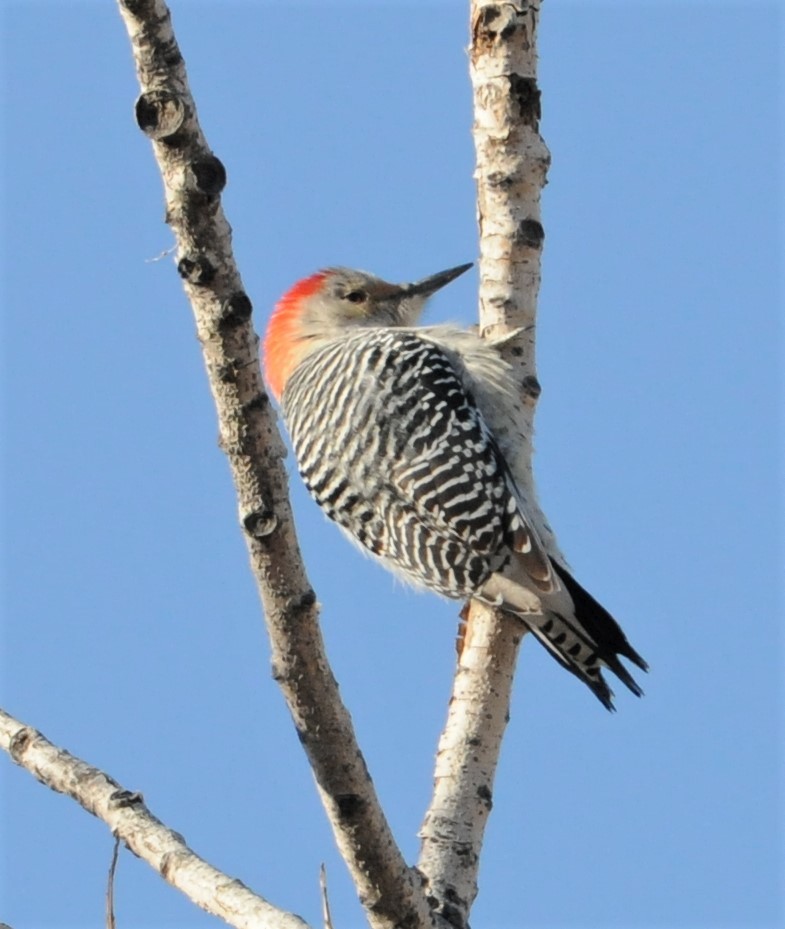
129	819
512	162
193	180
511	165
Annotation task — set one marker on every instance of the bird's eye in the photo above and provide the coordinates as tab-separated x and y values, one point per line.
356	296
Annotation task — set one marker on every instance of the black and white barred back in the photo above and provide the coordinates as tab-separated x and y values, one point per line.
394	449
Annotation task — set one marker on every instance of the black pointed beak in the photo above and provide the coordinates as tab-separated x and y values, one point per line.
429	285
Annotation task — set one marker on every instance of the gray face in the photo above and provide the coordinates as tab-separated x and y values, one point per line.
356	299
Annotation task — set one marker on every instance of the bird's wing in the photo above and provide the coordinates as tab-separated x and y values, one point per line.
448	468
395	449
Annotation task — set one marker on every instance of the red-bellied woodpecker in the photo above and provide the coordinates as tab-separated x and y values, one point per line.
402	435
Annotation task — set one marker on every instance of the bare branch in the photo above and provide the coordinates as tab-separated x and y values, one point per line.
454	825
129	820
512	164
193	180
512	161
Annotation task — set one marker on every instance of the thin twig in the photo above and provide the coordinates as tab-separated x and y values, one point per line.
110	921
161	255
326	915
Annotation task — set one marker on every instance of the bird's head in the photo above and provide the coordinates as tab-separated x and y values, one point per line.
320	307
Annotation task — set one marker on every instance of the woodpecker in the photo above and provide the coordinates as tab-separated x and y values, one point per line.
404	436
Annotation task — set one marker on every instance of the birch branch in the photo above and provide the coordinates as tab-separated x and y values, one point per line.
512	162
130	820
193	180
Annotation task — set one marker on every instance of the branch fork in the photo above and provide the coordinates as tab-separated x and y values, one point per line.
511	164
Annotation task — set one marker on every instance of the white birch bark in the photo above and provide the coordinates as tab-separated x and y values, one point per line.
129	819
512	162
511	165
193	179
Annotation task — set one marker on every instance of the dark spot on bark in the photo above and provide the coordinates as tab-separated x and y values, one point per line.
260	523
169	53
349	805
500	180
168	861
236	310
209	175
531	386
179	139
159	114
488	29
527	95
484	31
19	743
122	798
484	793
198	271
259	402
530	233
227	373
454	916
488	14
307	601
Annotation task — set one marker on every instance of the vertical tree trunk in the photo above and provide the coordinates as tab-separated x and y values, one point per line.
512	162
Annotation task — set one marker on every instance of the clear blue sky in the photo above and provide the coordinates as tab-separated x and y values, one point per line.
132	634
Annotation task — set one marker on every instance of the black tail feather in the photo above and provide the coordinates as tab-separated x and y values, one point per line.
590	675
599	623
592	630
